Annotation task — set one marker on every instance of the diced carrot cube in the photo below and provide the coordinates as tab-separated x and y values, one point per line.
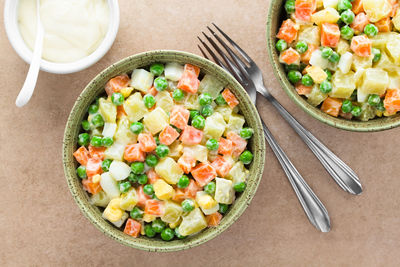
116	84
189	81
154	207
304	9
384	25
302	89
221	165
153	91
97	152
191	136
305	58
168	135
289	56
213	219
332	106
395	6
357	6
89	186
120	111
188	192
230	98
186	162
142	197
179	117
288	31
359	23
225	146
132	227
392	101
204	173
93	167
239	144
146	142
82	155
134	153
153	176
361	46
330	34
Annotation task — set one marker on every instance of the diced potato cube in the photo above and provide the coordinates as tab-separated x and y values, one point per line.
316	97
394	81
343	47
169	170
135	108
164	101
225	111
207	204
175	224
175	150
173	71
330	3
377	9
192	223
119	170
318	60
361	96
109	185
163	190
328	14
115	152
310	35
156	120
148	217
112	212
214	126
386	63
100	199
317	74
393	48
172	213
210	85
142	80
238	173
381	39
124	135
109	129
199	152
108	110
362	62
396	20
224	192
126	91
235	123
191	102
345	62
359	76
122	220
376	81
343	85
129	200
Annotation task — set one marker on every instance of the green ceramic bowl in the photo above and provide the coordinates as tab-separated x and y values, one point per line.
275	16
96	87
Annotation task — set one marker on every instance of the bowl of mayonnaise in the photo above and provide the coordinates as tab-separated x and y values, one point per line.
78	33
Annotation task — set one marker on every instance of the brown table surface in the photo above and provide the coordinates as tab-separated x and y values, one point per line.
41	224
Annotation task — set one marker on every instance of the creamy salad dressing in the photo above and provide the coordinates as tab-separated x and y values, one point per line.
73	28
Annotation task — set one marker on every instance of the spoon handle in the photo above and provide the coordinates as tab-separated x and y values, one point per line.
30	82
314	209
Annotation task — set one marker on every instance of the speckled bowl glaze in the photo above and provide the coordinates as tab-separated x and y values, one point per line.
276	14
96	87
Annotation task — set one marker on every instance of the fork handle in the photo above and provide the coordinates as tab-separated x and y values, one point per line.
343	175
314	209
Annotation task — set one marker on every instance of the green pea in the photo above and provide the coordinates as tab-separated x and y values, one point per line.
205	99
356	111
371	30
133	178
148	189
377	54
381	106
160	83
194	113
157	139
347	16
325	87
124	187
142	179
302	66
81	171
334	58
162	151
149	231
136	213
117	99
183	182
223	208
98	120
83	139
151	160
93	108
107	141
136	127
346	32
167	234
329	73
149	101
344	5
326	52
137	167
246	157
281	45
207	110
294	76
220	100
210	188
374	100
347	105
307	80
291	67
239	187
290	6
178	235
157	69
301	47
212	144
198	122
96	141
187	205
158	225
178	95
246	133
85	125
105	165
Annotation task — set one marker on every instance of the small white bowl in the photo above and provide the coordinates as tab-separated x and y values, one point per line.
19	45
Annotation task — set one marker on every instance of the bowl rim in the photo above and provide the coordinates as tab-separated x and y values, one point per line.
20	47
207	234
375	125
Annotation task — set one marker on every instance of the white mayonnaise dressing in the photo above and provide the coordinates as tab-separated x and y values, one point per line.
73	28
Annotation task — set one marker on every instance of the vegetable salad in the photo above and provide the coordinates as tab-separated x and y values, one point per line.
163	152
344	56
